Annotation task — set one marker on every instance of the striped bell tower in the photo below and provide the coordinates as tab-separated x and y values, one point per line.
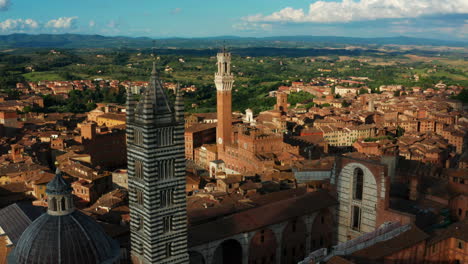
156	176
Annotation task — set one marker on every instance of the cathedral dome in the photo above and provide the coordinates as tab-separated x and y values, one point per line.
64	235
72	238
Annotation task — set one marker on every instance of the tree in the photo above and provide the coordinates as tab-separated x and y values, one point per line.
396	93
27	109
299	97
363	91
400	131
345	104
462	96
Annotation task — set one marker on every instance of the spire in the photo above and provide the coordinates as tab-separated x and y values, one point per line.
224	49
179	104
154	102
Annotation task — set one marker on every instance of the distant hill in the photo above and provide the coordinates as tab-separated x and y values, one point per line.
98	41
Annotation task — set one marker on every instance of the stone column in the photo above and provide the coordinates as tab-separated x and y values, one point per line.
278	231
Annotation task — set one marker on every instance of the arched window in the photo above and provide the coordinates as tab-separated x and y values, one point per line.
137	136
138	169
53	204
167	223
140	223
168	249
358	184
63	206
139	196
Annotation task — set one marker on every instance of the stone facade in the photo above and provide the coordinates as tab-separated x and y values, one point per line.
362	189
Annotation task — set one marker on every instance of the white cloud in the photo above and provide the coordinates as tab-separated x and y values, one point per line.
350	10
61	23
401	22
92	23
245	26
4	5
18	24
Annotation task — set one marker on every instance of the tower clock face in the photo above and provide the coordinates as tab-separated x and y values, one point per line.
220	141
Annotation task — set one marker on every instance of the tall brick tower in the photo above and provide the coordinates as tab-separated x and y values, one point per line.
281	102
156	176
224	80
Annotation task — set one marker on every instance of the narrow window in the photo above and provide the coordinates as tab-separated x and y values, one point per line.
140	223
139	196
62	204
262	237
168	250
358	183
138	169
53	204
166	197
163	198
356	218
167	224
166	169
158	138
460	244
137	136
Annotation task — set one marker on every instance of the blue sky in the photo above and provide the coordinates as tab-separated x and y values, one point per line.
442	19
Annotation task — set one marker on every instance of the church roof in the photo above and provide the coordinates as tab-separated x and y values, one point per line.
15	218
